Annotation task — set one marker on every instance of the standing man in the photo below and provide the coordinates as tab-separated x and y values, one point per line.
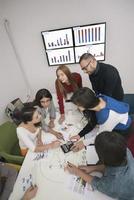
105	79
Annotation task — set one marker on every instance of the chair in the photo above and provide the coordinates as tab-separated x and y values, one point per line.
9	145
129	98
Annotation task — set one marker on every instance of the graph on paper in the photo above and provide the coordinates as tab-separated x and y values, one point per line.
58	39
93	34
97	50
61	56
66	45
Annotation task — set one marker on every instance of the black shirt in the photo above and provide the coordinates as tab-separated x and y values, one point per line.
106	80
92	121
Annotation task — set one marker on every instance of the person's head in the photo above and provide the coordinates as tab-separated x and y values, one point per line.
43	98
64	75
30	115
85	99
111	148
88	63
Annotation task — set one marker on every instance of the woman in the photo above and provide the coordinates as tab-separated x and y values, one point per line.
110	113
29	134
66	83
43	100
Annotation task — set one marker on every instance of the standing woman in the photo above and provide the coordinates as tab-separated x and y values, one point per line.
66	83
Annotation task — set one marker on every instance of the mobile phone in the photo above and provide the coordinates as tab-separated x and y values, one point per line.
67	147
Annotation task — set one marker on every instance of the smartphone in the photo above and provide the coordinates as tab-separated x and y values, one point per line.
66	147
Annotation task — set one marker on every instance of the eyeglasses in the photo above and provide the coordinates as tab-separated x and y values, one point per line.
85	68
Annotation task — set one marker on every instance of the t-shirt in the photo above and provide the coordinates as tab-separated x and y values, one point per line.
27	140
117	182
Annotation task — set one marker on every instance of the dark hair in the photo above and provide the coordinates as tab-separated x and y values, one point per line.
85	97
111	148
86	56
41	94
26	114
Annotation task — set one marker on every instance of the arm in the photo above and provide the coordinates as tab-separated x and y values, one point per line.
79	81
60	98
78	172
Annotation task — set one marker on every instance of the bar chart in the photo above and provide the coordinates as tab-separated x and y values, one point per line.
66	45
58	38
60	56
97	50
92	34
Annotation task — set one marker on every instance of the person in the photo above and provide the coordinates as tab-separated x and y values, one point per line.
105	78
43	99
117	169
110	113
8	175
66	83
29	134
30	193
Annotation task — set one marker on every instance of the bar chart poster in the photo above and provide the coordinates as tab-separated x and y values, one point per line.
60	56
92	34
58	38
97	50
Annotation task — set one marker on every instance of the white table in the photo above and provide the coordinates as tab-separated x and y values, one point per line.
46	170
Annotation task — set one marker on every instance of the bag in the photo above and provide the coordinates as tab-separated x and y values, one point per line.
13	110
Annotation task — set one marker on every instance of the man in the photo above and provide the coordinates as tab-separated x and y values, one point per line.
117	179
105	79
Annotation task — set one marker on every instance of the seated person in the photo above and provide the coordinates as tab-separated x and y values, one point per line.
117	170
110	113
8	176
66	83
43	99
29	134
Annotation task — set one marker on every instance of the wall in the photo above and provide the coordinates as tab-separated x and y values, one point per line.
28	18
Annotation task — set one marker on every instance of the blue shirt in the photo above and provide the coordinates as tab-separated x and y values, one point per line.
118	107
117	182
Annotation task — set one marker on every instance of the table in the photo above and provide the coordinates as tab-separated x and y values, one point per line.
46	170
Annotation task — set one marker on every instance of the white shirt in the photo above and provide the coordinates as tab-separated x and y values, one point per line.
111	122
26	138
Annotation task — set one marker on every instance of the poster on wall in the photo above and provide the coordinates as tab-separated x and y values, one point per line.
60	56
97	50
65	46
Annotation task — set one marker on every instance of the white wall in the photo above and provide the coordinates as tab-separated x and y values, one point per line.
28	18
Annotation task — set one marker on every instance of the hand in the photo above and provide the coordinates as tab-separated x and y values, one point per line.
77	146
86	169
61	119
72	169
51	124
30	193
59	135
75	138
55	144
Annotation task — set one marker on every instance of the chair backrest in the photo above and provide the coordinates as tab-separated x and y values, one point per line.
129	98
8	137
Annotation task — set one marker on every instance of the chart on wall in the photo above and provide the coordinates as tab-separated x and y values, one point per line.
66	45
60	56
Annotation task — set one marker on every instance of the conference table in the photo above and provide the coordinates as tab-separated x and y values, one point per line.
46	169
